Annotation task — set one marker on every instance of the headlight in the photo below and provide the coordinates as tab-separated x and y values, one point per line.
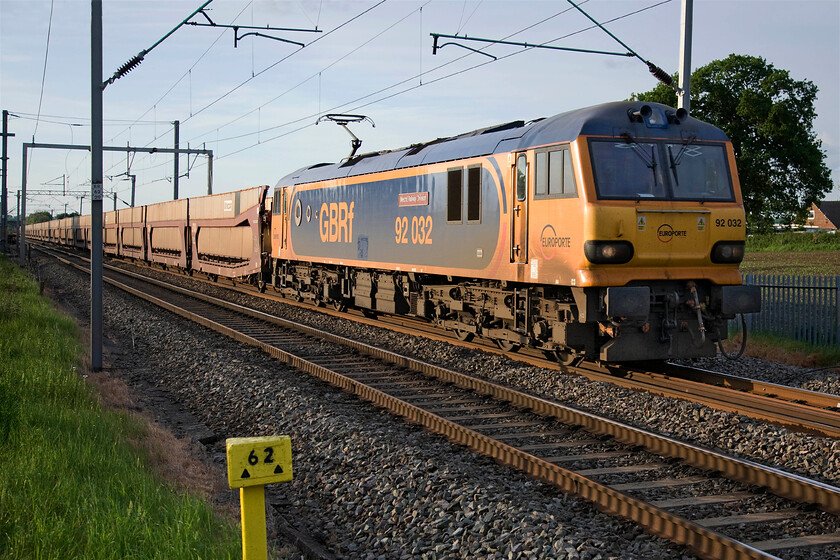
608	252
728	252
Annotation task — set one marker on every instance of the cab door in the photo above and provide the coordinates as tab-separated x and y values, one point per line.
279	222
519	213
283	218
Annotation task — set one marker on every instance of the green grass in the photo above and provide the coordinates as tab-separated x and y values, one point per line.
793	241
71	486
796	263
778	348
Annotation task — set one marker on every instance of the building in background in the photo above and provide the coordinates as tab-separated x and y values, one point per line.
824	216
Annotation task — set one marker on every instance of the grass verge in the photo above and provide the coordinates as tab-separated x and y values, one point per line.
796	263
72	486
793	241
773	348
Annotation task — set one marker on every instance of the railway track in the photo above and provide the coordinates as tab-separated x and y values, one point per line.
795	408
678	491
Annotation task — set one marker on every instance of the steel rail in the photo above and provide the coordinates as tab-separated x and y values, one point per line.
794	408
660	378
793	415
702	541
806	411
738	383
783	484
788	485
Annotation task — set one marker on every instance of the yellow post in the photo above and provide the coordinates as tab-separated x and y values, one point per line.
253	463
254	539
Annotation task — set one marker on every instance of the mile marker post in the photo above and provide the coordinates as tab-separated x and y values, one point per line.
252	463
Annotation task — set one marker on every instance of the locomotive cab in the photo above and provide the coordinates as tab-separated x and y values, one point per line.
664	233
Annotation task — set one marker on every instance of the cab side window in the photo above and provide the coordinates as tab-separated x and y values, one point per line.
555	174
521	177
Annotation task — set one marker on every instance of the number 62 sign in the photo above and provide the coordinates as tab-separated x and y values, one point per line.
256	461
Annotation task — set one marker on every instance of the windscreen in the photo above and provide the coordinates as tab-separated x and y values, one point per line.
699	172
627	170
631	170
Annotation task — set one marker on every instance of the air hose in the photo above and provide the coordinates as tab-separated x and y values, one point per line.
743	347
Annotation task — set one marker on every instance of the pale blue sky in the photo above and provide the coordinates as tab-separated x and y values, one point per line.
255	106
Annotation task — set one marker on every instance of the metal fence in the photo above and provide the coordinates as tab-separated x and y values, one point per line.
804	308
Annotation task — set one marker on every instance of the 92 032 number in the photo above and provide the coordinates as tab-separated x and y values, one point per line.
421	230
736	222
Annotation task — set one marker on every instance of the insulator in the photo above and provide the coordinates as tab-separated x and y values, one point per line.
130	65
661	74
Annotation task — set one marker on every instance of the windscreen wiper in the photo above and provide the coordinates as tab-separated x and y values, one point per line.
675	161
650	161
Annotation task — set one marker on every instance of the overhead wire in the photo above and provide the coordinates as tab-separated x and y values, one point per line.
419	75
463	23
77	121
311	77
223	96
43	81
341	107
185	74
657	72
503	57
154	105
382	90
416	86
264	70
463	11
44	74
409	79
188	74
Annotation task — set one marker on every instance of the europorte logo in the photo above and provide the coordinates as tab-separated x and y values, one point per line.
665	233
550	242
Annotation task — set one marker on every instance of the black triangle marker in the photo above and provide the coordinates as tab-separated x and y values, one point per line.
245	474
278	470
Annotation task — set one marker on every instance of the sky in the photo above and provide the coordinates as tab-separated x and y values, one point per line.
256	105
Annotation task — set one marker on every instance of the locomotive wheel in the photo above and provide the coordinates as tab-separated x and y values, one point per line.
261	286
466	336
339	305
508	346
566	357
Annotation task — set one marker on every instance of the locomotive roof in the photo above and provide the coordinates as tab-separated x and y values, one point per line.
608	119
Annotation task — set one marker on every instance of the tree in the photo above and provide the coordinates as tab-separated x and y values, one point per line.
769	117
38	217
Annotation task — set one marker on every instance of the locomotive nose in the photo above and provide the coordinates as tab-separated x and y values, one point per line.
682	238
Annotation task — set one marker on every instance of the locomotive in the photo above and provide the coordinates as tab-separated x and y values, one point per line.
611	233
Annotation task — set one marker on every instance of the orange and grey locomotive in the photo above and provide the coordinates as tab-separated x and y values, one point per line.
609	233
